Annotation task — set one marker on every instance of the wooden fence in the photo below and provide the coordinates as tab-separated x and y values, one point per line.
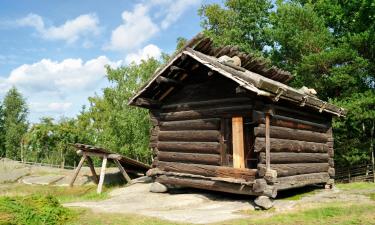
355	174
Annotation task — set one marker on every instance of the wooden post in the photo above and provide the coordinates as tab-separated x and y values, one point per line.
92	168
123	172
102	175
268	142
77	170
238	143
223	147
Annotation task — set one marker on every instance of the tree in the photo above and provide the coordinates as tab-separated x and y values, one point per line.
15	123
112	123
2	132
241	22
326	44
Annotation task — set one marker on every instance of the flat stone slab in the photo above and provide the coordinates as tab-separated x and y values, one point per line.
11	176
42	180
199	208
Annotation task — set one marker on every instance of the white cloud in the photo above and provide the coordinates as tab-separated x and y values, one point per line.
70	31
58	87
149	51
136	29
145	21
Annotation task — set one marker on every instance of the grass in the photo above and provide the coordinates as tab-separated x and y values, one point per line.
33	209
324	214
356	186
63	194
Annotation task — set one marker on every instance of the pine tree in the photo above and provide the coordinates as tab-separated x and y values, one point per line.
15	122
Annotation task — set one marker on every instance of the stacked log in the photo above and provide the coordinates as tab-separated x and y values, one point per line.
301	150
188	138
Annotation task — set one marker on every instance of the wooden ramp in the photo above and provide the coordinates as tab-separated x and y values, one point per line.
126	165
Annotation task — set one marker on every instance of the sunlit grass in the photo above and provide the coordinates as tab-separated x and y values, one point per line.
356	186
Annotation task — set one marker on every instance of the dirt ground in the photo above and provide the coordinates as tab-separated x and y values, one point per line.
193	206
182	205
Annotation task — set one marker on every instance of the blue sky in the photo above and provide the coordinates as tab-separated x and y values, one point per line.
54	52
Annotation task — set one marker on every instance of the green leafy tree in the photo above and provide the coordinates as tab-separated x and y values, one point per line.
328	45
240	22
15	121
112	123
2	132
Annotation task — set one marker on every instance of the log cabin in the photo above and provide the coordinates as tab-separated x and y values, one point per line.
227	121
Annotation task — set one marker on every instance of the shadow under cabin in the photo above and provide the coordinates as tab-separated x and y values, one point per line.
224	120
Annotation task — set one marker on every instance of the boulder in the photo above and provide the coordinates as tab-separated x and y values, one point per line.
157	187
264	202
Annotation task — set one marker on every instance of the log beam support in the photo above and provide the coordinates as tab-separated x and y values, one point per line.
238	143
77	170
102	175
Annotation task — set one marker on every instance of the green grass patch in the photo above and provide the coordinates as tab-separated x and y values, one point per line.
63	194
297	194
356	186
34	209
326	214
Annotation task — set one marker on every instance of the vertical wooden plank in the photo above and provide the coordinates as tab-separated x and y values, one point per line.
268	142
122	170
92	168
238	143
102	175
223	150
77	170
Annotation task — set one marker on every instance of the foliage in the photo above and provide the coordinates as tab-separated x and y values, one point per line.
50	142
114	124
241	22
33	209
15	122
328	45
2	132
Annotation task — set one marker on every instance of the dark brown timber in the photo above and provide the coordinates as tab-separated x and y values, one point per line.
205	104
284	170
198	114
285	183
209	135
207	184
199	124
293	134
284	145
192	147
208	170
207	159
292	157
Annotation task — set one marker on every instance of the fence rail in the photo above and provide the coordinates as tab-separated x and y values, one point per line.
355	173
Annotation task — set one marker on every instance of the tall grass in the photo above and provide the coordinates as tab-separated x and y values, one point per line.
33	210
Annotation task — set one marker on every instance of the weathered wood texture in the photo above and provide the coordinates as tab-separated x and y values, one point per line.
190	135
206	113
207	159
198	124
293	157
207	184
190	147
291	134
208	170
206	104
238	143
284	145
285	183
284	170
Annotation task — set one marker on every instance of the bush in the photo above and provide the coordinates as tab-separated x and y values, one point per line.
33	210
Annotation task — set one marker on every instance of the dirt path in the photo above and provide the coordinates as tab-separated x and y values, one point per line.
203	207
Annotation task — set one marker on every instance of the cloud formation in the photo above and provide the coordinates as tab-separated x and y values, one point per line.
140	24
58	87
149	51
70	31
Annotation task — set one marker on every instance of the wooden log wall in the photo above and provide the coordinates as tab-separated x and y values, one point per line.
189	137
301	146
